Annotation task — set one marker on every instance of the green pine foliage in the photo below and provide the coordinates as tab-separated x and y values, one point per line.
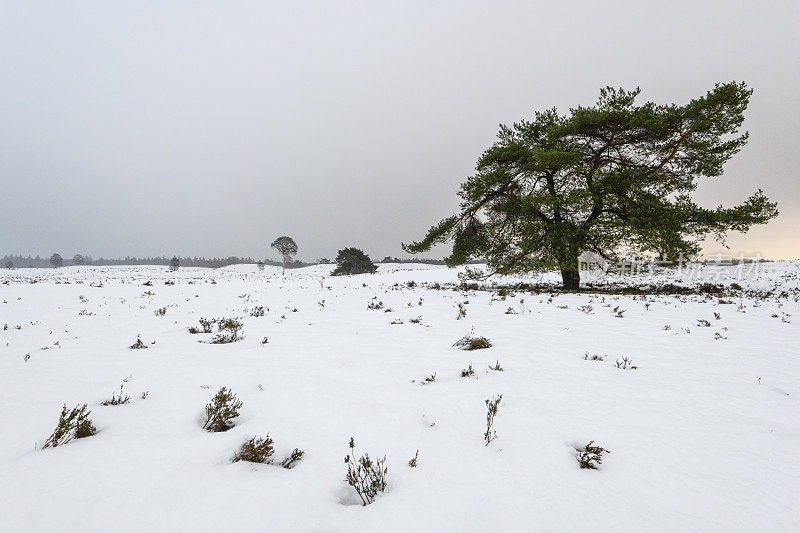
353	261
612	177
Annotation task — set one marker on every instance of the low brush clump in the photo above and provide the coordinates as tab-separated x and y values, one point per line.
221	411
118	400
138	345
591	456
467	372
72	424
256	450
367	477
293	457
468	342
257	311
228	329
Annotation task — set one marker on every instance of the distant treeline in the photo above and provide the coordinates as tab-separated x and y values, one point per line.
20	261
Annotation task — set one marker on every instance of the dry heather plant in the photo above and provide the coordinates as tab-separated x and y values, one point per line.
491	411
138	345
374	306
467	372
72	424
591	456
118	400
256	450
413	462
367	477
293	457
625	364
221	411
228	329
468	342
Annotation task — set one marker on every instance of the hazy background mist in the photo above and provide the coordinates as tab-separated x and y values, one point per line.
210	128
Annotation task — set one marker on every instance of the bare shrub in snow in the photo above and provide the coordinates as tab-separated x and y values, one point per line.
591	456
207	324
256	450
221	411
74	423
292	458
491	411
118	400
625	364
467	372
468	342
593	357
229	329
462	311
367	477
374	306
161	312
496	366
138	345
413	462
257	311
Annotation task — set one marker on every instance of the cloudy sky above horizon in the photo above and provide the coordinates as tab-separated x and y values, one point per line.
150	128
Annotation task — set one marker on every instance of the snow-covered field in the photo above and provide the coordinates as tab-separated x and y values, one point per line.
703	434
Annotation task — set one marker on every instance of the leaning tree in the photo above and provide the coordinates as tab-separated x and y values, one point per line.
286	247
610	179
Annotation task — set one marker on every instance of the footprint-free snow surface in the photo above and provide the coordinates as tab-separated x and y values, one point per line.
703	433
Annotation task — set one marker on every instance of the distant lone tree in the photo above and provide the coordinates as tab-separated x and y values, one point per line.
260	265
174	263
286	247
613	178
78	259
353	261
56	261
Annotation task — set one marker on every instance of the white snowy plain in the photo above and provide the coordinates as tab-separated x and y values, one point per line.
703	434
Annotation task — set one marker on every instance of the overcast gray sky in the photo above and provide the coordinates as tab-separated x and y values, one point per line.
209	128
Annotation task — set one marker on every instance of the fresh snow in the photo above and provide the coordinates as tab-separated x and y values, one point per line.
703	435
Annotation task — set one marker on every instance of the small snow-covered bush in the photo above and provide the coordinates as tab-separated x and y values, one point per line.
256	450
138	345
221	411
496	366
467	372
74	423
161	311
229	329
591	456
367	477
468	342
257	311
375	306
207	324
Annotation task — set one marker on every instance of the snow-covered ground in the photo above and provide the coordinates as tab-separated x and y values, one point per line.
703	433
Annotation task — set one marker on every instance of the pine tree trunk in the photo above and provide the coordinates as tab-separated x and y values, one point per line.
570	272
571	279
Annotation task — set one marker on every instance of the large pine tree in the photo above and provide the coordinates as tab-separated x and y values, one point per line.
611	178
